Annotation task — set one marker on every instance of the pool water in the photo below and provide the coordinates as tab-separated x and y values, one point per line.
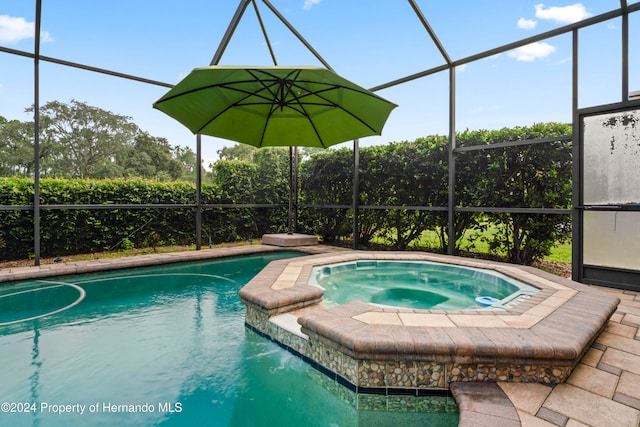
415	284
163	346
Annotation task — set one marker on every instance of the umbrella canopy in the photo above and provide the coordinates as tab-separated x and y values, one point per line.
275	106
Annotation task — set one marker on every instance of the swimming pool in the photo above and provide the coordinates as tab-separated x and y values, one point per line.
417	285
166	346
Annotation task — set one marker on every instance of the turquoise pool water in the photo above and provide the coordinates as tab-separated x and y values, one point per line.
416	284
166	346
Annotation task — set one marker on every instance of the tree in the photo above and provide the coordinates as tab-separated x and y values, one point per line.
16	148
237	152
82	141
149	157
188	163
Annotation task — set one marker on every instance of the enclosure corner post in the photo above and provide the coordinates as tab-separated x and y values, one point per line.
451	232
356	193
36	137
576	198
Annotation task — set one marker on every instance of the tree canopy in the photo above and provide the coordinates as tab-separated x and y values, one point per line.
78	140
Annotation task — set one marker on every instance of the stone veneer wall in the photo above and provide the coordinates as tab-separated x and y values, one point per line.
423	374
334	363
367	375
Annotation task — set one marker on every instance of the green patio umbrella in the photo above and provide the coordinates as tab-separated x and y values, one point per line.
275	106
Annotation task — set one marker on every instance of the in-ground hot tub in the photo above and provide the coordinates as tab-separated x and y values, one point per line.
373	348
417	285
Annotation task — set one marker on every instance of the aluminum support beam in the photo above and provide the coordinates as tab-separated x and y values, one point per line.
514	45
513	143
625	54
297	34
36	135
576	153
230	30
264	33
451	232
432	33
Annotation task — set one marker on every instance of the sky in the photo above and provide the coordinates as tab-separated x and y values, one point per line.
370	43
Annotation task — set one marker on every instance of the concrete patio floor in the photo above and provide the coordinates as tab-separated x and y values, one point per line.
603	390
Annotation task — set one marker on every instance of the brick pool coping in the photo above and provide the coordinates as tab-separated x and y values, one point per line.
369	347
65	268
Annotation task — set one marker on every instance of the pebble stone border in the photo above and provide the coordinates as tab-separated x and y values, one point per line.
399	351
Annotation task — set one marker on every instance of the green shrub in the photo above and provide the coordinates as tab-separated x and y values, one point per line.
73	230
405	175
127	244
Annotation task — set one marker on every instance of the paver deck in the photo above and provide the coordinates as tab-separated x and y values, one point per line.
393	350
603	390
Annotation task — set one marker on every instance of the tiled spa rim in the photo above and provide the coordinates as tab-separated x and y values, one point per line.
383	350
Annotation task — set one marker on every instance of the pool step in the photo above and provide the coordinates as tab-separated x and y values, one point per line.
289	323
286	240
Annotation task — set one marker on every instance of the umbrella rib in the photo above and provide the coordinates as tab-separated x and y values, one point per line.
268	100
333	104
213	86
301	103
308	117
237	103
277	101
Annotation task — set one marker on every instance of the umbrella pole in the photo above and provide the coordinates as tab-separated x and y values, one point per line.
296	199
290	222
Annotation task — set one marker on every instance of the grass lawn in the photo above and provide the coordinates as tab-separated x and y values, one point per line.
558	262
118	254
429	240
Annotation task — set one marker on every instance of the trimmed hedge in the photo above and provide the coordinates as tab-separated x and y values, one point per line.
72	231
415	174
405	174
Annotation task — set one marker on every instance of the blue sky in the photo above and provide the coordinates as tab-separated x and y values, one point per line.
370	43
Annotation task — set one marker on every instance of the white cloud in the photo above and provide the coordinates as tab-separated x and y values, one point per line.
308	4
563	60
532	51
45	37
485	109
13	30
527	24
564	15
